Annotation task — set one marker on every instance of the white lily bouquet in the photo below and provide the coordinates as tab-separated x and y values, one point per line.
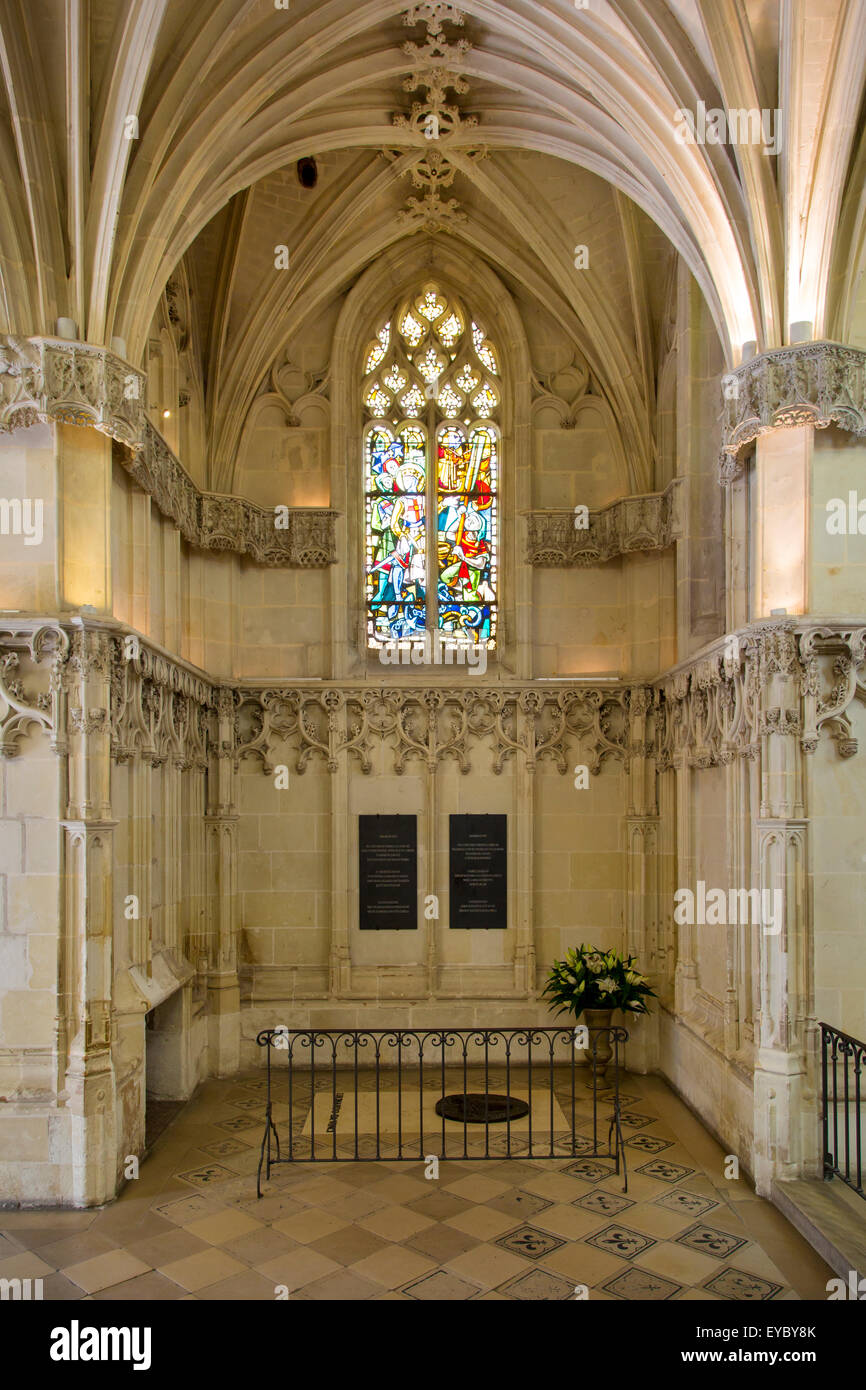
592	979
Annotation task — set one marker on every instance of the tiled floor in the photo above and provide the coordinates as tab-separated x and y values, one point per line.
191	1226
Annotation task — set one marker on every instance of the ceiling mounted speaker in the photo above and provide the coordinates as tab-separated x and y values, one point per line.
308	172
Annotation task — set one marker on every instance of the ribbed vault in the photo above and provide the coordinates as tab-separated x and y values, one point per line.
123	147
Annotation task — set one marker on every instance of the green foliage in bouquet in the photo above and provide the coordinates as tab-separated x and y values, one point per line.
592	979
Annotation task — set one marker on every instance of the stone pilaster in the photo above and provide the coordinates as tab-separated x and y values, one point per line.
642	867
222	820
785	1108
87	934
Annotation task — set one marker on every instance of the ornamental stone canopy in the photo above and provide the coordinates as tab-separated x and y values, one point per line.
815	384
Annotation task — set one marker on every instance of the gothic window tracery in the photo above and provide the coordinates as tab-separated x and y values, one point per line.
431	392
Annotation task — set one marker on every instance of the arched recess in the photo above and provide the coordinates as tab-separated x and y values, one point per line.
577	417
280	432
373	298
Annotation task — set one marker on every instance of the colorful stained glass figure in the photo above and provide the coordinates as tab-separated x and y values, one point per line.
396	534
402	488
466	534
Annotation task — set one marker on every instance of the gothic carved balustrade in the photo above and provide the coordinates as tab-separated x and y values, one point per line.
791	679
75	383
432	725
648	522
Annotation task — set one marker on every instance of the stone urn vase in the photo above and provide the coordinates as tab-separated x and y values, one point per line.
600	1049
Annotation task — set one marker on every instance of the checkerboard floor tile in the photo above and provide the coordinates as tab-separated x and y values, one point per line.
515	1228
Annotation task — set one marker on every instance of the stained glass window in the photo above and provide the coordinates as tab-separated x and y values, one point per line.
432	466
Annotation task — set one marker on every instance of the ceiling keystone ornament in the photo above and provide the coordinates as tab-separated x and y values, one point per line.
435	122
815	384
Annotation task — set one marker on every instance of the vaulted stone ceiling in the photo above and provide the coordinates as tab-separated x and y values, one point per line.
576	122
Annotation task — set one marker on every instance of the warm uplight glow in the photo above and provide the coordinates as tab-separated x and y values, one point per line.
166	415
779	520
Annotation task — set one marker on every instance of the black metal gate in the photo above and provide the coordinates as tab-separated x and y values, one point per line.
345	1094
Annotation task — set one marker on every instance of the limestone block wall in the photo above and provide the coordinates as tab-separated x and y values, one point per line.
29	565
35	1154
304	959
837	534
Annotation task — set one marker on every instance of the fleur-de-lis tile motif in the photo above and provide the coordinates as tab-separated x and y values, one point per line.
590	1170
538	1286
737	1284
526	1240
238	1122
665	1172
639	1284
649	1144
207	1174
689	1202
619	1240
608	1203
719	1244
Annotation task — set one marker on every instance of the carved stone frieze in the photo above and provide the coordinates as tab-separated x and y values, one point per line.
230	523
782	680
649	522
809	384
74	383
432	725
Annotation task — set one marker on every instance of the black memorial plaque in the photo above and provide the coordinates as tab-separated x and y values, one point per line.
388	873
479	871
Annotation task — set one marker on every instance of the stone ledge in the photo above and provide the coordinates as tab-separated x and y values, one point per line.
830	1217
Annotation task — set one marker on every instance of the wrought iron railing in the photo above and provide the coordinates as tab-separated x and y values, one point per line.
344	1095
843	1060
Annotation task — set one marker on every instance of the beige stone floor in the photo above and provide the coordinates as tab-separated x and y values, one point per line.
191	1226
